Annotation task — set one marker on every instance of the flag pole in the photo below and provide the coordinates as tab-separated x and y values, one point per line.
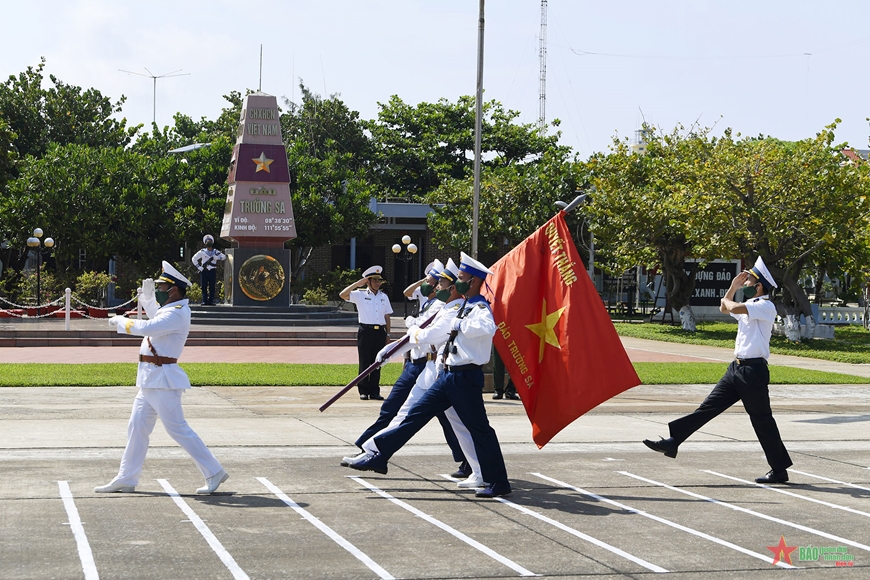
374	366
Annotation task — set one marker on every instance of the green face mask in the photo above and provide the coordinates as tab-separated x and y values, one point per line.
748	292
426	288
463	287
443	295
161	297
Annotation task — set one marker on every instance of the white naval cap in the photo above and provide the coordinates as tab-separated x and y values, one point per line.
450	271
206	239
472	266
762	274
434	268
374	272
172	276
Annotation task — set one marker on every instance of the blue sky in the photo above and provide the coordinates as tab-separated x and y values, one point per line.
779	68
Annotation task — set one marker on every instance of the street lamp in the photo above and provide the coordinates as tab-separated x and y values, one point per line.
406	254
34	242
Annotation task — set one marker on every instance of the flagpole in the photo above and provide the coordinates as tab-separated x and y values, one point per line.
478	122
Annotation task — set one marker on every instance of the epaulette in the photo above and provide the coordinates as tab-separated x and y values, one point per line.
178	306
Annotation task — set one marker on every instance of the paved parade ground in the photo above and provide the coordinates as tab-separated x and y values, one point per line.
593	502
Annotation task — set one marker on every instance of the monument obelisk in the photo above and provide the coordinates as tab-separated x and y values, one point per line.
258	217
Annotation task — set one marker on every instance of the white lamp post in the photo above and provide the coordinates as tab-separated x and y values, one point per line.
35	242
407	254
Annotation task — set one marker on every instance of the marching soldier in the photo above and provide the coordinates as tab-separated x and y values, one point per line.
161	383
459	384
206	261
747	377
374	309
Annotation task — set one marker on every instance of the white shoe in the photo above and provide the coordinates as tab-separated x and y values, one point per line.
473	481
364	456
114	486
212	483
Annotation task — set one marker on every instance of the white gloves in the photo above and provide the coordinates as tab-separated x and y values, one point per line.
382	353
198	269
410	321
457	324
116	320
148	289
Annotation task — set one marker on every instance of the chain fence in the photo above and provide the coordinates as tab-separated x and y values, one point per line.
66	299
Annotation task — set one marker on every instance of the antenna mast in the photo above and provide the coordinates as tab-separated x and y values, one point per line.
155	77
542	55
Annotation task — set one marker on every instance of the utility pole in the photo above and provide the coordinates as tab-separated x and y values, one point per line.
478	122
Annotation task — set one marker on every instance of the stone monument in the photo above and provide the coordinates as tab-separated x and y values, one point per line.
258	217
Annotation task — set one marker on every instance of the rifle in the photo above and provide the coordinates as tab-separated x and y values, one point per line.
374	366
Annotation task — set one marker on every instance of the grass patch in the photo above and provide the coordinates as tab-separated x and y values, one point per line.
851	344
292	375
201	374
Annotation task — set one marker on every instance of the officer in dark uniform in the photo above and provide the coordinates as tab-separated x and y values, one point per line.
374	309
747	376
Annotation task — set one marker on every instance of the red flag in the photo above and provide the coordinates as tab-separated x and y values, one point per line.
554	334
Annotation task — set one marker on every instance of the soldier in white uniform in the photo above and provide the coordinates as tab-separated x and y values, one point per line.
747	377
161	383
429	340
206	261
374	309
459	385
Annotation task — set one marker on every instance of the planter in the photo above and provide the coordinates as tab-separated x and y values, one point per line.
96	313
72	314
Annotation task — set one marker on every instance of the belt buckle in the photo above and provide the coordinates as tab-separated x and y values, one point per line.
377	327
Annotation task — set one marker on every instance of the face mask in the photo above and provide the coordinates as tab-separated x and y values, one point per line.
426	289
463	287
161	297
443	295
748	292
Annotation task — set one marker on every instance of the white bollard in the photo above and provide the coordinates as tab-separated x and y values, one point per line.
138	303
67	293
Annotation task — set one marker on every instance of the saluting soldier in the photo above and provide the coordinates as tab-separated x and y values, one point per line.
747	377
206	261
161	383
374	309
459	384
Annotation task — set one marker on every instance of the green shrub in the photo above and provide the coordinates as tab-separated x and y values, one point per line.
315	297
91	287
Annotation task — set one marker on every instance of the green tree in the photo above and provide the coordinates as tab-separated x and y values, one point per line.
416	148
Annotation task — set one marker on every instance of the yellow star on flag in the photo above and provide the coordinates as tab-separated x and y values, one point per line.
544	328
262	162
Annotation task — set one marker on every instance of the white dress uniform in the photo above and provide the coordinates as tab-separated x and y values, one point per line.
373	310
160	389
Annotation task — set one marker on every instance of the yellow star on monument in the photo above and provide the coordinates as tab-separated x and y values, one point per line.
262	162
544	328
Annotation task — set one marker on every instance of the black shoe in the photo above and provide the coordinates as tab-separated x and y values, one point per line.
512	396
364	397
773	476
376	463
494	490
497	396
463	472
667	446
376	398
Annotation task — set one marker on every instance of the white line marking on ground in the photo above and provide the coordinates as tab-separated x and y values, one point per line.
197	522
750	512
354	551
831	480
75	523
694	532
452	531
577	533
792	494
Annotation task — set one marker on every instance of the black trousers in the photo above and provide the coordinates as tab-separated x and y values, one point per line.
368	342
747	383
498	373
207	280
393	404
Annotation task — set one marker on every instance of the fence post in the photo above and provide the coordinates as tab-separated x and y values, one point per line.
66	293
139	303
